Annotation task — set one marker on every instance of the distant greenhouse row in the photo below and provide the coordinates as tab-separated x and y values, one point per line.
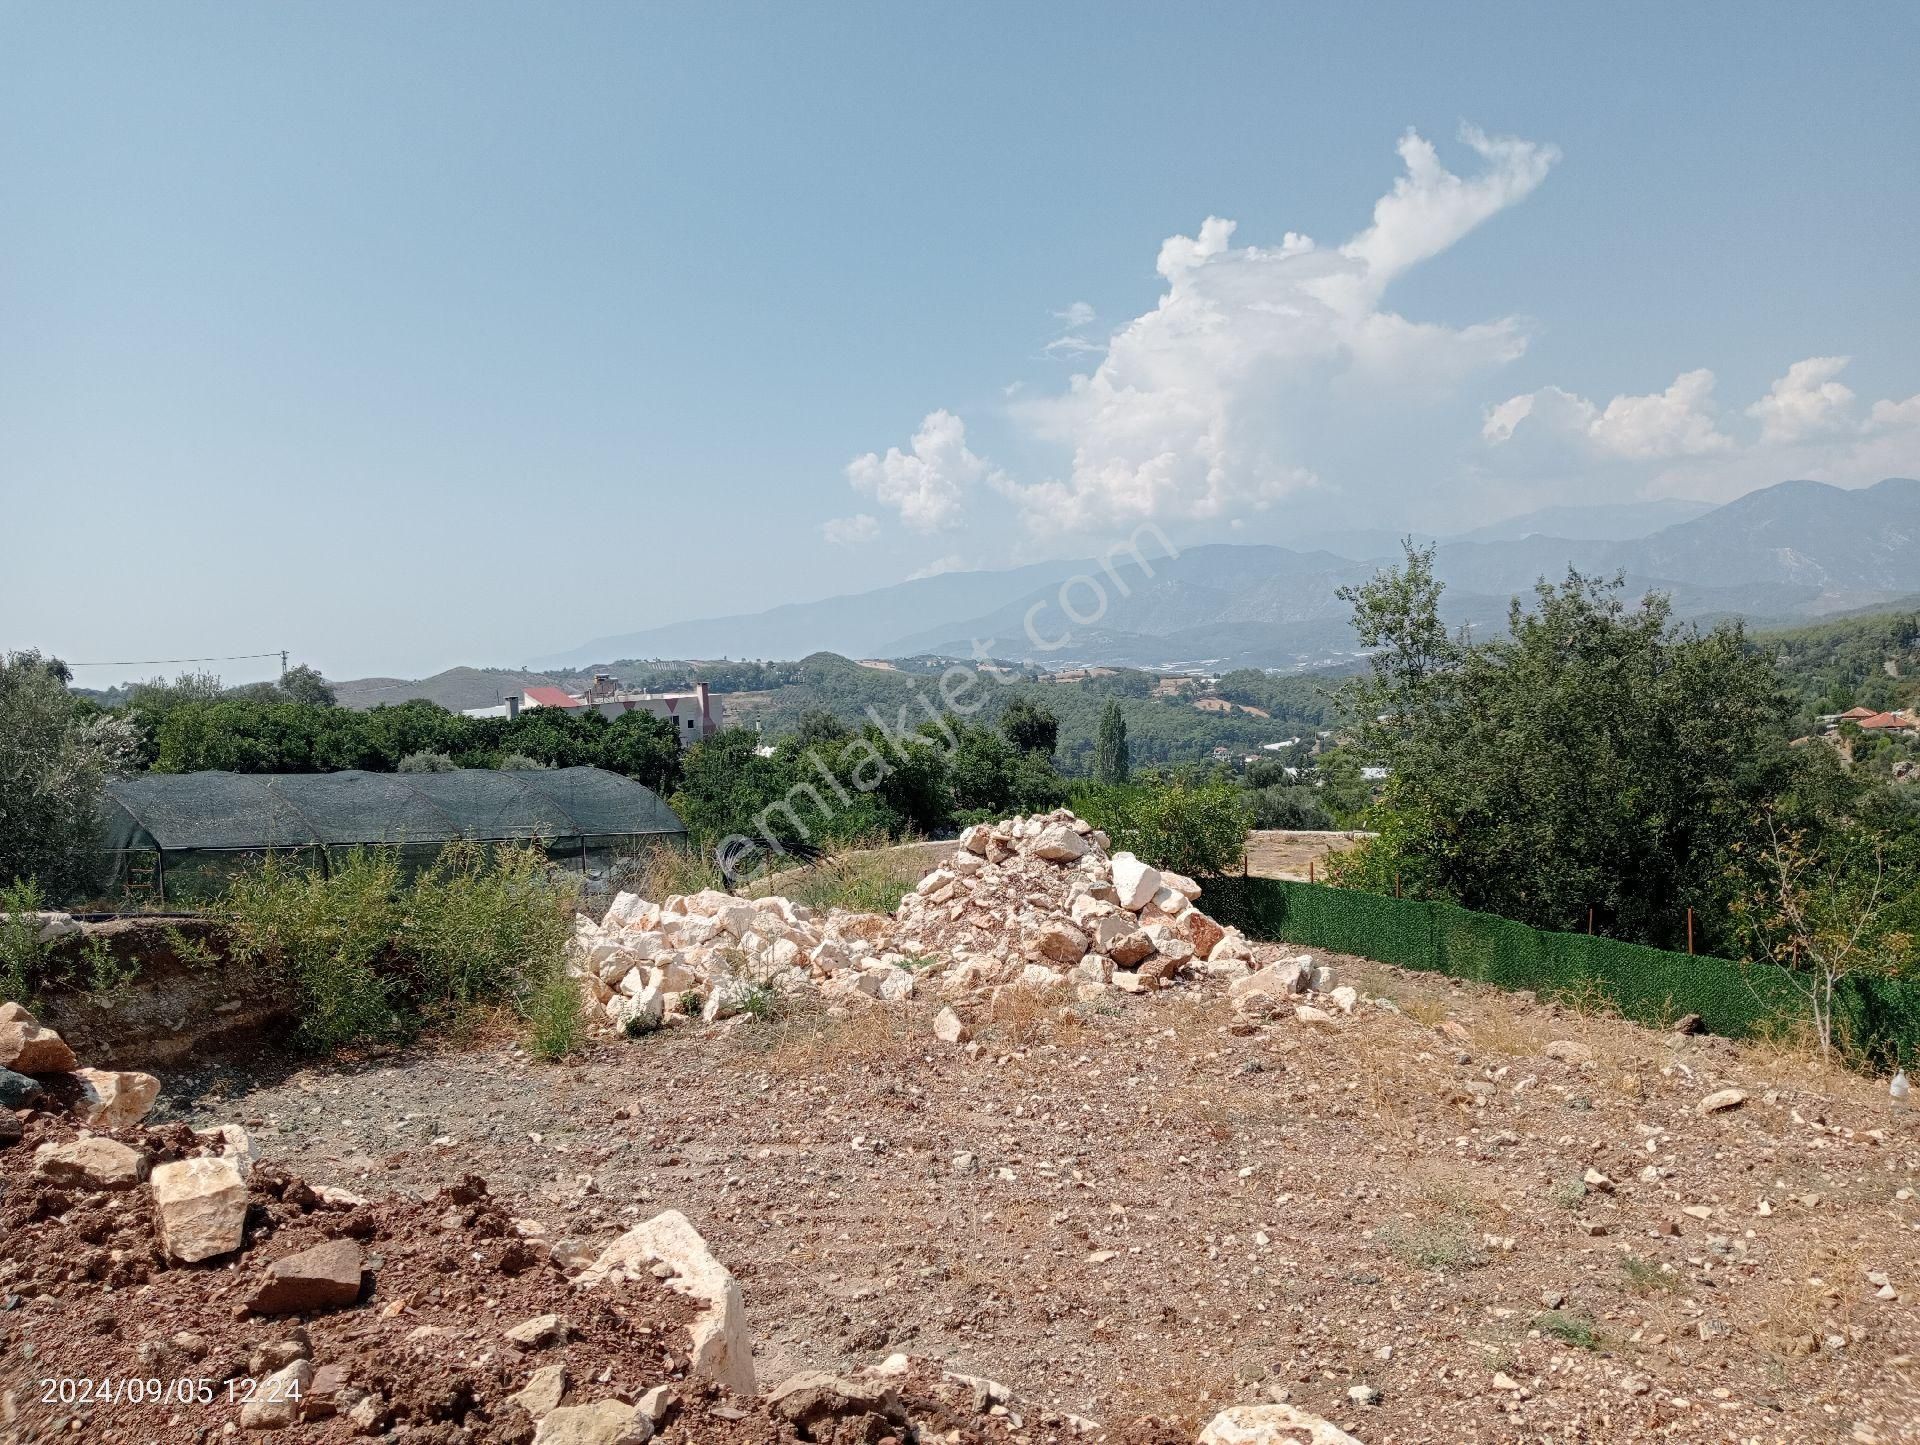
179	836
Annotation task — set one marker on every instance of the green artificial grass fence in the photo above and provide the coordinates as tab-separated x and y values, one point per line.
1878	1018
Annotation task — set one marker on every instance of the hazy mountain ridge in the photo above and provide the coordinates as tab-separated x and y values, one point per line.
1794	551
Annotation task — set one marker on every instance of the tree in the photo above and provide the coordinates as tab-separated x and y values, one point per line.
1030	727
1822	913
818	726
53	763
1193	826
425	763
643	747
1281	806
1598	757
304	684
1111	763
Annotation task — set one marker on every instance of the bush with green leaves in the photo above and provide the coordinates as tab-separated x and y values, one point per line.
1596	761
1196	826
374	955
425	762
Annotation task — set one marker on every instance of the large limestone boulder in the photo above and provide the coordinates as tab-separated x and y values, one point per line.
202	1205
1275	982
1127	944
90	1164
1272	1425
1181	884
605	1422
1199	930
816	1403
1135	882
722	1349
27	1048
324	1277
115	1100
275	1403
1059	940
1059	843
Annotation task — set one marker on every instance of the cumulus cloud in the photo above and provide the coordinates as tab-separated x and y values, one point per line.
939	566
1677	422
1199	407
851	531
1897	413
927	484
1805	402
1806	429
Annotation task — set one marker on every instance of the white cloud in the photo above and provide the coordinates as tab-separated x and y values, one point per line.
1677	422
851	531
1070	342
1805	402
1200	407
953	562
1897	413
927	485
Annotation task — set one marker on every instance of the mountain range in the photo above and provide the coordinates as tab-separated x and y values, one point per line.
1795	550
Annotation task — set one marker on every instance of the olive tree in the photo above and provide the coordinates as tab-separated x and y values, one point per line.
53	762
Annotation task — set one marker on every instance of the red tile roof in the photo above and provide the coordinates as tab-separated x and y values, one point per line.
552	697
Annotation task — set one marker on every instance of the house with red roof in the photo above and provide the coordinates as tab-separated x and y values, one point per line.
690	713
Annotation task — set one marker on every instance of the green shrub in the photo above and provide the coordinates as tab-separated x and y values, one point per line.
761	1002
556	1017
1194	827
23	957
1575	1329
372	956
1440	1247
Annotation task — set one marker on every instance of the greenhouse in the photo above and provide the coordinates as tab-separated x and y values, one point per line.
177	837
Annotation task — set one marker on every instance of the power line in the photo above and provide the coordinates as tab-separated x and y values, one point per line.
162	661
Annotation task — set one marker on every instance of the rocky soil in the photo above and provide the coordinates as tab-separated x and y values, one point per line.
1396	1209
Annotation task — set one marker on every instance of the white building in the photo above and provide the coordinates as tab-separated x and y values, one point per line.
691	713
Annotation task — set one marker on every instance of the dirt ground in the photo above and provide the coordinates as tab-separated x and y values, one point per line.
1294	855
1146	1207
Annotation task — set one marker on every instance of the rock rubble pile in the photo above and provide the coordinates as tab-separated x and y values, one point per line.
1026	903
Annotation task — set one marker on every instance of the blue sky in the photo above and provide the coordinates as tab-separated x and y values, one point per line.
403	336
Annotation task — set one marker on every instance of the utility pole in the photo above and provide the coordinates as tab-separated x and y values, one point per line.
283	664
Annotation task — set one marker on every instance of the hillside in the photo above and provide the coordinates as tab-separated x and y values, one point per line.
454	689
1795	550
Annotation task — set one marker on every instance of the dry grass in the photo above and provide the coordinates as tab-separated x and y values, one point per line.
1515	1036
861	880
808	1042
661	870
1453	1188
1788	1046
1022	1016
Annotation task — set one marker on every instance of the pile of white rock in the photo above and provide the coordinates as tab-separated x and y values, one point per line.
1044	891
1028	902
710	955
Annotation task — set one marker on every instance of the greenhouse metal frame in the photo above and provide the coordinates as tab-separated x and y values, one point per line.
182	834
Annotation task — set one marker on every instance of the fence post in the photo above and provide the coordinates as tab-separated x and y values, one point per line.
1589	920
1309	870
1689	931
1396	883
